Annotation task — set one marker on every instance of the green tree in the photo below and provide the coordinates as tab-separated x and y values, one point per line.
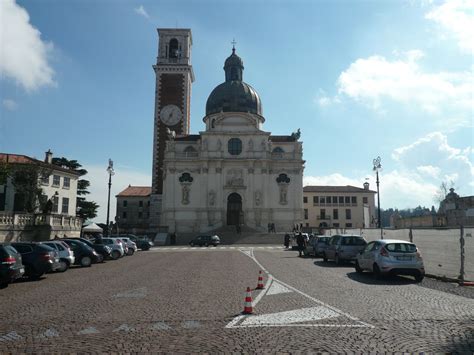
85	209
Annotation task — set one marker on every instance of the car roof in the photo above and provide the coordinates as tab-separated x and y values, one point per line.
389	241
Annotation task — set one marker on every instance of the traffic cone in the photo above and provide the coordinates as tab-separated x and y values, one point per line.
260	281
248	308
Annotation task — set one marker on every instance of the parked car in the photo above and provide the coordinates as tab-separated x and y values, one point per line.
66	255
294	244
131	245
390	256
319	245
101	249
344	247
205	240
115	245
124	245
85	256
37	258
11	267
142	243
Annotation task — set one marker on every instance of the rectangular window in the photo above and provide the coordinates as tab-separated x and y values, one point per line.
124	215
347	199
148	203
45	180
140	203
354	200
55	204
341	199
334	199
322	200
349	225
307	224
56	180
140	215
365	200
65	206
66	183
305	213
335	225
335	213
323	214
305	199
348	213
124	203
315	200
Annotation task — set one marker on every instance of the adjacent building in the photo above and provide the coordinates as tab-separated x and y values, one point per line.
133	210
339	207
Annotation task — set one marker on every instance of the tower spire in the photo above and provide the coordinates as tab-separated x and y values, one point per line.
233	45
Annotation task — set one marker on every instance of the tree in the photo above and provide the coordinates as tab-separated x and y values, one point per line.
443	190
85	209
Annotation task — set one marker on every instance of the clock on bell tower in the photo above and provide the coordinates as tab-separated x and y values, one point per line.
174	76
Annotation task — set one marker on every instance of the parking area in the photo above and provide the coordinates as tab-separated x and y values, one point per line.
190	299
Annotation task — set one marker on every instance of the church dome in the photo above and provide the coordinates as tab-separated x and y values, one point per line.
233	95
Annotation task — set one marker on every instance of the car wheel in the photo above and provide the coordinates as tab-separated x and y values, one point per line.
206	245
215	245
100	258
419	277
63	266
3	284
377	273
325	258
146	248
86	261
358	268
192	244
130	252
115	254
337	260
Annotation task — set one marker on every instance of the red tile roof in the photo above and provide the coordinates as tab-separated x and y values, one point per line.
23	159
137	191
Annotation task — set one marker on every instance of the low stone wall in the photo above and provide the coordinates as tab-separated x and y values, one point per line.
37	227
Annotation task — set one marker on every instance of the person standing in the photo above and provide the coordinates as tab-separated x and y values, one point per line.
300	242
287	241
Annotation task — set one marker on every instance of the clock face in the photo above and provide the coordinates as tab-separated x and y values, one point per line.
170	115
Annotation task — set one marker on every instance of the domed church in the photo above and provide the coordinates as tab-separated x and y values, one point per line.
231	173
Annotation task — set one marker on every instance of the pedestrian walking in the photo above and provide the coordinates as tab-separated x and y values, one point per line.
300	241
287	241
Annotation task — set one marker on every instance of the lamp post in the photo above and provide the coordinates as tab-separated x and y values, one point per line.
110	171
377	167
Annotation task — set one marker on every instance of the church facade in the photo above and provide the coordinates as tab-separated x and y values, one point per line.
233	173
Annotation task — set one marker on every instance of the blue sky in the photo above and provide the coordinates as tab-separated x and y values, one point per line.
359	78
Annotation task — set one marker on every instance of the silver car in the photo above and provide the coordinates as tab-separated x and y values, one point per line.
116	246
66	255
132	246
390	256
344	247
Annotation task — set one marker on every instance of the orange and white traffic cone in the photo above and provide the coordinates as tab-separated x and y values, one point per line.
260	281
248	308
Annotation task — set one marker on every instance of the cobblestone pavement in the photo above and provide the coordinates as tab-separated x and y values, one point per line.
189	300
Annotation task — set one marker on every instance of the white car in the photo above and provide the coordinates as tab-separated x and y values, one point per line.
390	256
132	246
66	255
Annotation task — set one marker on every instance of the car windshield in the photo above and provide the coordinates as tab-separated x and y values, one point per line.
401	247
353	241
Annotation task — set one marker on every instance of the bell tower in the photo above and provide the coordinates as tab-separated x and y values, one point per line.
174	76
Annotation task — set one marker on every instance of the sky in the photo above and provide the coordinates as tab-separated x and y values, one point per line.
361	79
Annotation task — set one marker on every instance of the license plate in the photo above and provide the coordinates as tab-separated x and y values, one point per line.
403	257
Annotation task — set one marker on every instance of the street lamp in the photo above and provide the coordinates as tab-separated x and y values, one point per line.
377	167
110	171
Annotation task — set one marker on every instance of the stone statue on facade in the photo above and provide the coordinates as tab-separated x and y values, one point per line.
212	198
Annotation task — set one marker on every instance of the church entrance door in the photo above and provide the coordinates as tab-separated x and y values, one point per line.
234	209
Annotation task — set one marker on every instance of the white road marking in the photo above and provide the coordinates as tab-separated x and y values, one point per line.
136	293
90	330
288	317
234	323
189	324
49	333
124	328
160	326
10	337
277	288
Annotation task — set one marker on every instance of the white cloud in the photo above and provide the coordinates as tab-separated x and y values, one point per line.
429	170
98	177
457	18
141	11
23	55
374	79
10	104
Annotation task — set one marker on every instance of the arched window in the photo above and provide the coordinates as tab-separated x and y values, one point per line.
190	151
213	123
173	49
278	152
234	146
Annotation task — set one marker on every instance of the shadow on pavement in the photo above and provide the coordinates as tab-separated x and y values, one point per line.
368	279
332	264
